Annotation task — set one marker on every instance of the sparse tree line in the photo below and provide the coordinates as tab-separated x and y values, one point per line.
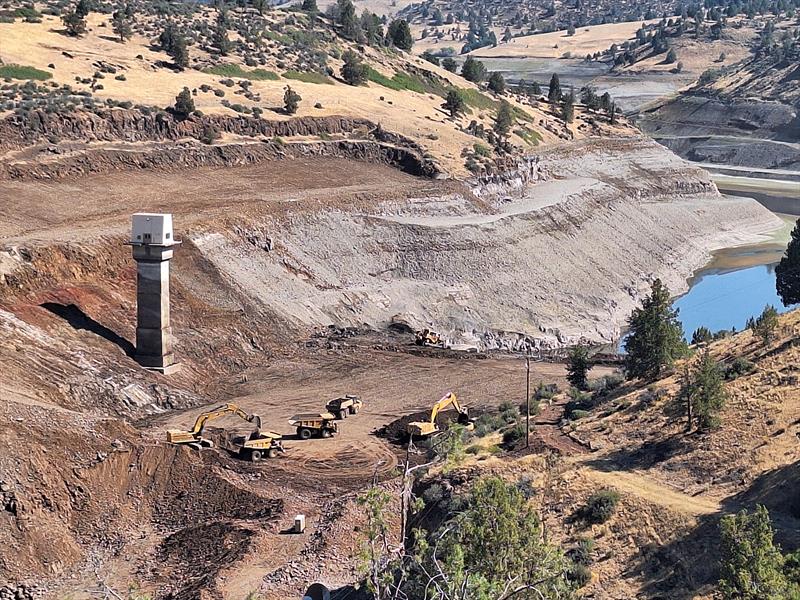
536	17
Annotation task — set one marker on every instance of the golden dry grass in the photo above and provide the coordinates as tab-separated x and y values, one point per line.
587	40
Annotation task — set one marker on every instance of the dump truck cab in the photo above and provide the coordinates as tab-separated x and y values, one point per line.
314	424
344	405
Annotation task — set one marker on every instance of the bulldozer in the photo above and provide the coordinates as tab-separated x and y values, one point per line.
427	428
426	337
258	444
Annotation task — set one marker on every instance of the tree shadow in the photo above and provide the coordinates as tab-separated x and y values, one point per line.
679	569
79	320
644	456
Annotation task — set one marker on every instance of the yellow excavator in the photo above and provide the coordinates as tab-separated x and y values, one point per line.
427	337
426	428
256	446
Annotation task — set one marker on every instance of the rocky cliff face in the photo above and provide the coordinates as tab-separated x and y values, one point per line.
18	131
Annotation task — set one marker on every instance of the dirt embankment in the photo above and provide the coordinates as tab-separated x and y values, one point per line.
545	265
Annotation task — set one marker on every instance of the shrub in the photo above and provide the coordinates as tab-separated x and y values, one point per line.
581	554
505	406
234	70
578	414
600	506
482	150
434	494
534	406
512	435
545	391
579	574
606	383
740	366
209	135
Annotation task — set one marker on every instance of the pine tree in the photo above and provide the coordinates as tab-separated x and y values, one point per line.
703	391
347	20
122	22
454	103
751	564
220	36
787	273
354	71
179	51
554	93
578	367
74	23
261	6
568	108
766	324
400	34
497	83
184	104
702	335
310	6
656	336
291	100
473	70
450	64
503	120
671	57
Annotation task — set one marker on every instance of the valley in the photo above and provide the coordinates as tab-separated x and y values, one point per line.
337	192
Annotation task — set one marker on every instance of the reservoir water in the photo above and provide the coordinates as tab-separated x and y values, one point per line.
736	285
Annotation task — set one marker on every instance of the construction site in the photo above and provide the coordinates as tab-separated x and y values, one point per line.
291	386
219	332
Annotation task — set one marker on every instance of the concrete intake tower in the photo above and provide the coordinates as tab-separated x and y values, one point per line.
153	242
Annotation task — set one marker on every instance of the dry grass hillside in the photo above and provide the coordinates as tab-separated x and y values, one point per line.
662	541
404	94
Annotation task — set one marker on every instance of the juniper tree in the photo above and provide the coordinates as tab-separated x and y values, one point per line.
503	120
454	103
787	273
291	100
655	340
354	71
578	367
766	324
449	64
497	83
184	104
702	335
473	70
74	23
348	22
751	565
554	92
220	36
122	22
703	392
400	34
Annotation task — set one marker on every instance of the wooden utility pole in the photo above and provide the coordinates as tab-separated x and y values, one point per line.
528	401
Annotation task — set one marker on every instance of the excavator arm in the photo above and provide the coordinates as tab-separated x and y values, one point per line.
195	434
443	403
424	428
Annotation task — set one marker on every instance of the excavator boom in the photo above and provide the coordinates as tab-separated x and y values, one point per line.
195	434
425	428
